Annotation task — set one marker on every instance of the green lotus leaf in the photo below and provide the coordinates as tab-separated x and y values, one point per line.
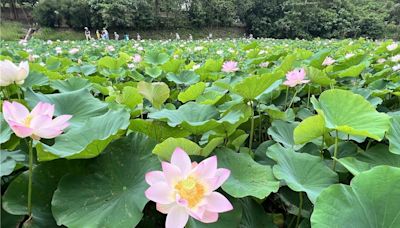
112	194
371	200
394	135
153	71
9	220
111	63
185	77
318	58
254	215
156	58
251	87
309	129
130	97
194	117
87	69
353	71
99	131
165	149
157	92
9	160
35	79
157	130
248	178
5	130
71	84
282	131
301	172
191	93
81	104
352	114
374	156
319	77
91	118
173	65
210	97
45	178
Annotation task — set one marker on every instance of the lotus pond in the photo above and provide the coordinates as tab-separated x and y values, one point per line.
207	133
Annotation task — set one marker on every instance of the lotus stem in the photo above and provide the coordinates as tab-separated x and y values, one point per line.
252	126
18	91
291	102
308	95
287	94
30	148
300	209
336	150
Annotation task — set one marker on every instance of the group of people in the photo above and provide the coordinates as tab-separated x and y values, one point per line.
104	35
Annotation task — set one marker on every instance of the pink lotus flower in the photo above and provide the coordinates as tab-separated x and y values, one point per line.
11	73
186	189
392	47
296	77
37	124
328	61
137	58
73	51
110	48
230	66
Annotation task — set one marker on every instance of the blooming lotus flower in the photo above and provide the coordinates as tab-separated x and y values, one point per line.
349	55
230	66
58	50
184	189
10	73
296	77
395	58
137	58
264	64
37	124
382	60
392	47
73	51
110	48
328	61
396	67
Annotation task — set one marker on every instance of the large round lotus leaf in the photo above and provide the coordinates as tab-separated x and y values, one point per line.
301	172
394	135
192	92
45	180
186	77
157	93
70	84
91	118
196	118
156	58
371	200
112	194
99	131
157	130
352	114
251	87
167	147
309	129
374	156
81	104
248	178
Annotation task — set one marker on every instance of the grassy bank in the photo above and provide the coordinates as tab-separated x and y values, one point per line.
10	30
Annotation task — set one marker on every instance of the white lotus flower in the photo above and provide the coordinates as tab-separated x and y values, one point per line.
392	47
396	68
11	73
395	58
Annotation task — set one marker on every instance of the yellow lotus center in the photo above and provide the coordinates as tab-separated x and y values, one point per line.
27	121
190	190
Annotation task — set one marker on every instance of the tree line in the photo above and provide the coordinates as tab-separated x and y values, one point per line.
262	18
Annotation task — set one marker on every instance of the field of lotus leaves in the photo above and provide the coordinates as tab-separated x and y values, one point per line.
280	133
